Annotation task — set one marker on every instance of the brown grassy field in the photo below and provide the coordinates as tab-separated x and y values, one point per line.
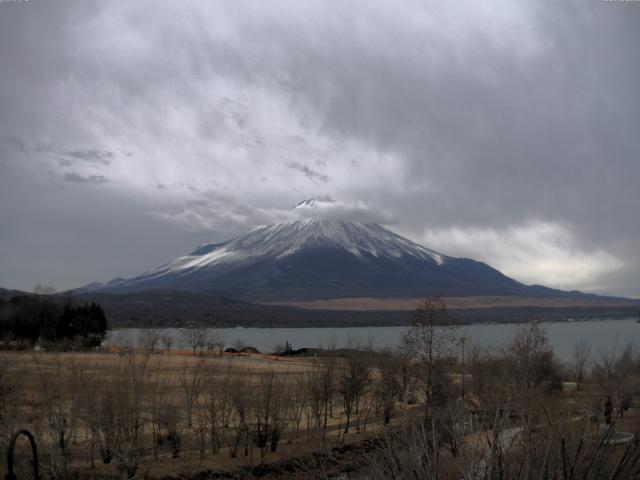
148	413
408	304
75	392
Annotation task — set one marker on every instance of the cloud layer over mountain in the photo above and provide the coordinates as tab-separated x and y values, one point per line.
504	131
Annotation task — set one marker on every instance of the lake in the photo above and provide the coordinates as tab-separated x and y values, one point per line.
603	335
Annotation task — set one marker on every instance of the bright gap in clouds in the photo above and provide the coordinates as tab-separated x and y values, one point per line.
536	252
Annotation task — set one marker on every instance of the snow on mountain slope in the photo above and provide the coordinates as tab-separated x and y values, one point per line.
285	239
315	255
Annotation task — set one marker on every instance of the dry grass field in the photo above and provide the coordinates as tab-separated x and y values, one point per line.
409	304
175	414
151	413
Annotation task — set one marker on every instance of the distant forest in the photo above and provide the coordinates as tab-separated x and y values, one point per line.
33	319
165	308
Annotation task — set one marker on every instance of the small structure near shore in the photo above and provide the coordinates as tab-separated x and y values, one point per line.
249	350
242	350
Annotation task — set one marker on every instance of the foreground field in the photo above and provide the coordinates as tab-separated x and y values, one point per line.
421	412
177	414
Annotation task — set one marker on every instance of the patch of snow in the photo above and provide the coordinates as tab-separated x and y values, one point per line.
287	238
363	240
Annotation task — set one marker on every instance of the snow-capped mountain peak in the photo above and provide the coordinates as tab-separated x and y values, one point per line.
319	256
367	242
280	240
311	203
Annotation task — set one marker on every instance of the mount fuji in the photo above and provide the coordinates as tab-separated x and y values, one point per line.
319	257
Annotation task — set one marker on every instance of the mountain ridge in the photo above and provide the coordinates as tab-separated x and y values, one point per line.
321	258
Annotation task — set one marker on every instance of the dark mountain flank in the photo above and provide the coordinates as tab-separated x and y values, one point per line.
320	259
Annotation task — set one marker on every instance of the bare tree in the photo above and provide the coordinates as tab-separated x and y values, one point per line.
321	389
353	378
157	389
531	357
121	412
89	413
268	412
167	342
559	450
489	369
8	388
191	380
618	374
299	401
580	360
388	385
430	345
58	414
217	342
195	337
242	404
217	402
150	339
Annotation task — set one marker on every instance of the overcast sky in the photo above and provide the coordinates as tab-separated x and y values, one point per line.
508	132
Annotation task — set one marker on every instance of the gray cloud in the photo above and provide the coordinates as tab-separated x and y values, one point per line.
91	155
308	172
74	177
211	211
479	124
327	208
64	157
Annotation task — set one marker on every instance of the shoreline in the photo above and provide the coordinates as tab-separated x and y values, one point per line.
408	325
379	324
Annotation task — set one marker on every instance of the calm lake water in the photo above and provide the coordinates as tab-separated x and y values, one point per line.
603	335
